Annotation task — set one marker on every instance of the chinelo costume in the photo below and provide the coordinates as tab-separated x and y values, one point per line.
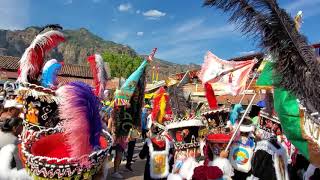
62	136
270	159
158	149
216	138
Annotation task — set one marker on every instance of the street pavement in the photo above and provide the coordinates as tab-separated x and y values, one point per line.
137	166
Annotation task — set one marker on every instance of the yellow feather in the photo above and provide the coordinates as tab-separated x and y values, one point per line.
162	110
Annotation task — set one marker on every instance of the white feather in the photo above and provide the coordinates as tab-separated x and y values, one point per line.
6	173
48	64
40	40
102	74
6	138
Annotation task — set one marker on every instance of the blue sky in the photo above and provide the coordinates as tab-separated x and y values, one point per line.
182	30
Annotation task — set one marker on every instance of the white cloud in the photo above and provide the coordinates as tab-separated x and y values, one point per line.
14	13
243	53
188	26
124	7
140	33
154	14
138	11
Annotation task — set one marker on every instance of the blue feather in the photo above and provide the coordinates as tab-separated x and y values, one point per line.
49	75
235	113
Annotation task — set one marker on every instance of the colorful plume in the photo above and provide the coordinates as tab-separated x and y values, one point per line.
99	74
32	59
79	110
161	106
49	73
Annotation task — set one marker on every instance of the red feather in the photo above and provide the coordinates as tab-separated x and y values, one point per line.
32	60
94	70
212	101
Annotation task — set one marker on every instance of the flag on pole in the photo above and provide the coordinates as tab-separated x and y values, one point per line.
294	123
226	77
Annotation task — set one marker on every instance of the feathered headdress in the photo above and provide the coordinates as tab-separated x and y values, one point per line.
296	67
32	59
161	106
49	73
79	111
99	74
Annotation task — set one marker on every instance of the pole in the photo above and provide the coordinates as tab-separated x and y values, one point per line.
242	118
244	94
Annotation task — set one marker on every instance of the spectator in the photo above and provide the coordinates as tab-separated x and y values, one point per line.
132	137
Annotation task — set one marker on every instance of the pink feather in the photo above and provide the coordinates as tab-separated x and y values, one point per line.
32	59
74	123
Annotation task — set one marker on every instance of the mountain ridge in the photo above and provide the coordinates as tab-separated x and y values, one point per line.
80	44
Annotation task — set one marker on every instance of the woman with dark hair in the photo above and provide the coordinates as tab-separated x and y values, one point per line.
10	130
11	166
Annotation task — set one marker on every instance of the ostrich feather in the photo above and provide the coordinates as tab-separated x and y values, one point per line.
32	59
79	109
161	106
234	114
99	74
296	67
49	73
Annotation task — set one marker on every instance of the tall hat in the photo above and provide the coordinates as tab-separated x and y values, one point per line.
268	126
76	148
40	102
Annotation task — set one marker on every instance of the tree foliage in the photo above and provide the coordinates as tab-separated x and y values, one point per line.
121	65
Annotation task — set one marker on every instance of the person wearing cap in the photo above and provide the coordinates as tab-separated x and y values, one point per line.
242	150
144	120
216	154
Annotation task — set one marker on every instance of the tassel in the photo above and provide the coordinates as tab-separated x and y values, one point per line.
211	98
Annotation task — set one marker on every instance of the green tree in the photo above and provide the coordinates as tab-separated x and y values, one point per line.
121	65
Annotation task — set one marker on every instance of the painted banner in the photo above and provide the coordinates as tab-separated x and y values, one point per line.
226	77
302	132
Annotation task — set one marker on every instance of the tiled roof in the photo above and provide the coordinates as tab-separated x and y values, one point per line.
12	63
9	62
64	80
75	70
